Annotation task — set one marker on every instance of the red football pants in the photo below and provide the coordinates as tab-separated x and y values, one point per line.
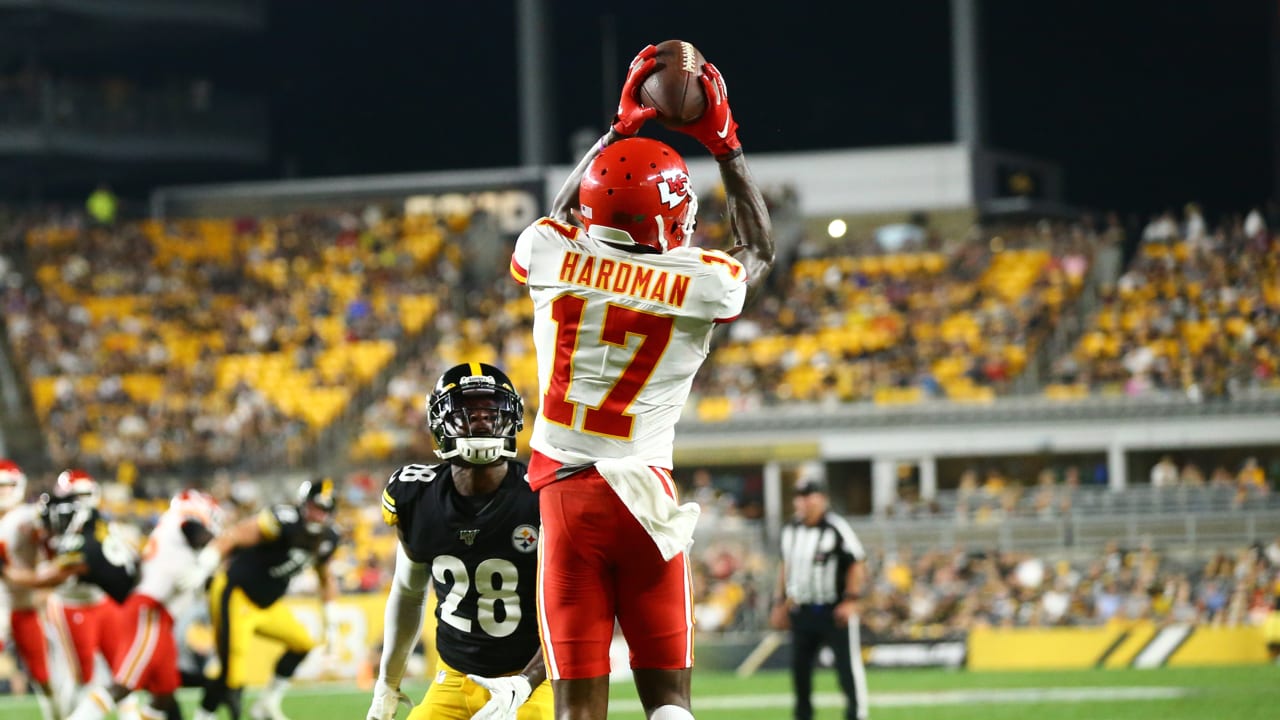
28	638
146	657
595	563
88	629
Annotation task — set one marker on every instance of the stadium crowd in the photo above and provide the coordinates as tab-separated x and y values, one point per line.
178	348
1196	312
945	592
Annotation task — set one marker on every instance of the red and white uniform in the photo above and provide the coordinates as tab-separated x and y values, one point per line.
22	545
619	336
87	622
147	654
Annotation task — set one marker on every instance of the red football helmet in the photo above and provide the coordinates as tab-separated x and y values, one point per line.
637	192
191	504
13	485
80	485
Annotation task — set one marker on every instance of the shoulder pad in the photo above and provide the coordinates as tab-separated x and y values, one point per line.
402	483
273	520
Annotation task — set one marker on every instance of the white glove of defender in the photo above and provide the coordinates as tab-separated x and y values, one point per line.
194	577
386	700
506	695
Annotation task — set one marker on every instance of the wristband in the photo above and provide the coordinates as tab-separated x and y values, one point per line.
734	153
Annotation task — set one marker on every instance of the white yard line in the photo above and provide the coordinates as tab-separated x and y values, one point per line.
942	697
822	700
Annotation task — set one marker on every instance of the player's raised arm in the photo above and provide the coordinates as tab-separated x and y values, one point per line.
630	118
748	214
402	624
245	533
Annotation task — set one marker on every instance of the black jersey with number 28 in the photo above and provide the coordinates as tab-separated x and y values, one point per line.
483	559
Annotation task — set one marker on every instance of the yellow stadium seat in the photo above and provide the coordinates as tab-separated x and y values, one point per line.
714	409
897	396
143	387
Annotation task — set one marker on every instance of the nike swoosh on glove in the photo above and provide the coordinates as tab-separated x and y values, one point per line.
506	695
716	129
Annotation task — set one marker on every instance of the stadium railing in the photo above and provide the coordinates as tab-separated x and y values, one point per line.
1083	534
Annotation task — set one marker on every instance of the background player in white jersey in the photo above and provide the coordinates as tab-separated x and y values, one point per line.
22	537
623	316
471	524
147	656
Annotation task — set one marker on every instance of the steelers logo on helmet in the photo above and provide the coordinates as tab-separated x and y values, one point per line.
474	414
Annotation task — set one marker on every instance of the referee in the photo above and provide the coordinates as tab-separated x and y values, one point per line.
819	582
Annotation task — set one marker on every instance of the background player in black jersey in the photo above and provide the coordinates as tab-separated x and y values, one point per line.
264	552
82	547
471	525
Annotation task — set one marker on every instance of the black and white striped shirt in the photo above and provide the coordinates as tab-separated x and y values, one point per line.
817	559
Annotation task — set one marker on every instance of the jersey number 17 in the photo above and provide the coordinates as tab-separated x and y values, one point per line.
611	417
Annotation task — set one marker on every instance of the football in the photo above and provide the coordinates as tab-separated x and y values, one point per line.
674	88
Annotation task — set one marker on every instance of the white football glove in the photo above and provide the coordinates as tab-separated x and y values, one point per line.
506	695
386	700
194	577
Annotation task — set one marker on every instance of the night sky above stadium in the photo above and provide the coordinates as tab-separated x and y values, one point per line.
1142	103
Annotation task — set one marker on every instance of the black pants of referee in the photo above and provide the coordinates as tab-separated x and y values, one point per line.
812	627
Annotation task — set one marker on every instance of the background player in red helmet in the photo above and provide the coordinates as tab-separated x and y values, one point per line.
146	657
89	565
624	309
22	538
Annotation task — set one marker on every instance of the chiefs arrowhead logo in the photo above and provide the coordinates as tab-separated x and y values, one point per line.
673	188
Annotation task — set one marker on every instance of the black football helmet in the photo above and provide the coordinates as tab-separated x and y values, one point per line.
58	511
320	493
464	435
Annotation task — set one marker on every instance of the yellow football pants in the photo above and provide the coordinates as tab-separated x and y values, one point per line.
236	620
453	697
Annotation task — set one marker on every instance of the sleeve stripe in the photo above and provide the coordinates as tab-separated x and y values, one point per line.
726	320
849	538
520	274
388	500
268	524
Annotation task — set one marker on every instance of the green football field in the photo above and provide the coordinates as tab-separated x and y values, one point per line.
1245	693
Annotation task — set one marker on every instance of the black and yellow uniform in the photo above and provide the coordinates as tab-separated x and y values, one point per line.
110	563
482	551
244	598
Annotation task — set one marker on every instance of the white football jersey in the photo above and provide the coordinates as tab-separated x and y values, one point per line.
619	336
164	559
21	545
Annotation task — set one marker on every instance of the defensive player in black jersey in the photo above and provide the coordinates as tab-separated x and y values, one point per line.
470	525
81	546
264	553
